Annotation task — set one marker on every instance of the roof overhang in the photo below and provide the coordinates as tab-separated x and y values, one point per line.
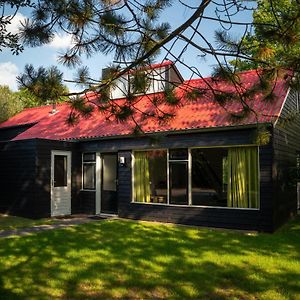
171	132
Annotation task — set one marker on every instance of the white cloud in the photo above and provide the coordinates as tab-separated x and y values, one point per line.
16	23
8	74
61	41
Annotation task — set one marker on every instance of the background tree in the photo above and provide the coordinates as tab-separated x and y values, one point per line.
9	9
276	42
43	86
10	103
28	99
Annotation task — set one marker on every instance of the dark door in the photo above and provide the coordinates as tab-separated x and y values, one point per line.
109	196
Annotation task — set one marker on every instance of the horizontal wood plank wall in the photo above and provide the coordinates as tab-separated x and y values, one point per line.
219	138
43	177
17	178
286	144
216	217
87	200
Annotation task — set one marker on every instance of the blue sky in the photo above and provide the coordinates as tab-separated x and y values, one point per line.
12	65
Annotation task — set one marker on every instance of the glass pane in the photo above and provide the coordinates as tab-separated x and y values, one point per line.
109	173
209	177
150	176
243	179
179	183
89	176
89	157
60	170
178	154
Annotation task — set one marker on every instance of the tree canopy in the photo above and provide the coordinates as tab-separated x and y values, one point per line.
276	42
46	84
10	103
9	9
135	32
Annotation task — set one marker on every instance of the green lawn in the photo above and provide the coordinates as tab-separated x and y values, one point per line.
130	260
11	222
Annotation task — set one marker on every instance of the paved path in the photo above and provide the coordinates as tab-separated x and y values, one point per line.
62	223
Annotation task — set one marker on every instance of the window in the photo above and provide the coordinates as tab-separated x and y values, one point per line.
109	172
298	101
150	176
216	177
89	171
60	170
139	82
209	177
178	168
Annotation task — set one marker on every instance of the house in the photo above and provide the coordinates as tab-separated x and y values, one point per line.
200	168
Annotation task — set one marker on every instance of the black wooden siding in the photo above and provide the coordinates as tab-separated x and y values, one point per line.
261	219
26	173
17	178
200	139
286	143
26	177
82	201
43	174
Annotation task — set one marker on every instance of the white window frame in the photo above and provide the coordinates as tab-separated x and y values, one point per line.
189	160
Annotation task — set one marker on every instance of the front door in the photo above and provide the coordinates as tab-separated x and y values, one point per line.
60	183
109	196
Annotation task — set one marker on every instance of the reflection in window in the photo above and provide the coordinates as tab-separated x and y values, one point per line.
179	183
220	177
150	176
109	172
60	170
89	174
209	177
89	171
178	154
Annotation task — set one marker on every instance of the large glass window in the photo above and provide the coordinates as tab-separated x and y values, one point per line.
89	171
150	176
219	177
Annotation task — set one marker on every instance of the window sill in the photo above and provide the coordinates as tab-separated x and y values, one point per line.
86	190
196	206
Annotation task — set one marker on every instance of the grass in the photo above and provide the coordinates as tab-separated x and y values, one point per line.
11	222
132	260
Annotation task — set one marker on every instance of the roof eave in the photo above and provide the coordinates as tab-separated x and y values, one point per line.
170	132
17	126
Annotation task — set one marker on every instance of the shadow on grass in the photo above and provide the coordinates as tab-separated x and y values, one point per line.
128	259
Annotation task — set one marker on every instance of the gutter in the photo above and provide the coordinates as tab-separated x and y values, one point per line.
170	132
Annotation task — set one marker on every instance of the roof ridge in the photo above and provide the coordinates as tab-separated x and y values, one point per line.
43	106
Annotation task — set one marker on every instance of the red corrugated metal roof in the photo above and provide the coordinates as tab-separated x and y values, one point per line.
201	113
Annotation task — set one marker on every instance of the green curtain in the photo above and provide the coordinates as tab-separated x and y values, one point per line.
243	177
141	177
